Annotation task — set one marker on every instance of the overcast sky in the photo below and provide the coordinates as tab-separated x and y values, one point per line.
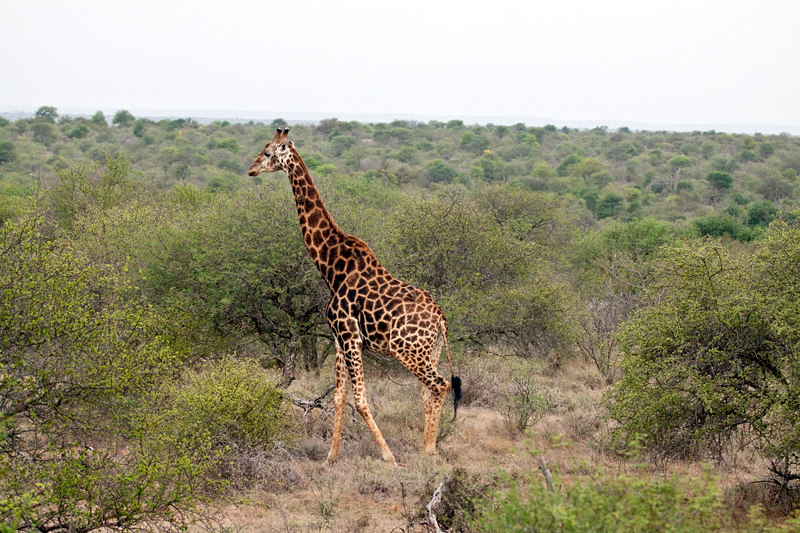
670	62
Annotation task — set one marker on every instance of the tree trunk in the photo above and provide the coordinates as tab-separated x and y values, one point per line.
310	351
289	362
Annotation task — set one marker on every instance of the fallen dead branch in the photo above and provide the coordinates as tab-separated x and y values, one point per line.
548	478
309	405
436	499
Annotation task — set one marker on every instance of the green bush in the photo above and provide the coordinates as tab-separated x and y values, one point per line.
440	172
7	152
139	128
761	213
621	255
341	143
230	144
564	167
79	132
230	165
85	187
223	405
530	320
521	401
609	205
76	357
608	504
713	353
227	182
720	225
480	273
122	118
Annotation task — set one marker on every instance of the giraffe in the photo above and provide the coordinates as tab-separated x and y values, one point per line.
369	308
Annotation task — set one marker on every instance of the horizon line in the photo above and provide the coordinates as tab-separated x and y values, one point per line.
232	115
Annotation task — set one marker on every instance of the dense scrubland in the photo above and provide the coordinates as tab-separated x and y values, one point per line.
623	310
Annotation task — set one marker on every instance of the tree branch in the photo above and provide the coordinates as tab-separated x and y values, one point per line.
547	477
309	405
435	500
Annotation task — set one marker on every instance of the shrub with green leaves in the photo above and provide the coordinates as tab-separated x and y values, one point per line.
609	504
715	351
7	152
521	400
621	255
222	405
87	186
76	358
481	273
761	213
255	280
720	225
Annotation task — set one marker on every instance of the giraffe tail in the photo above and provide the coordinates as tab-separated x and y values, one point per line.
455	381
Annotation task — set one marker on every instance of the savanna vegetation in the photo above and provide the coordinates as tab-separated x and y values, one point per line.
623	303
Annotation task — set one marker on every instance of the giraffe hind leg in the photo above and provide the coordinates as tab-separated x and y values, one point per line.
434	392
434	389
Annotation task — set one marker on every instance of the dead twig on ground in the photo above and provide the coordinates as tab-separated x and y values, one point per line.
436	499
309	405
548	478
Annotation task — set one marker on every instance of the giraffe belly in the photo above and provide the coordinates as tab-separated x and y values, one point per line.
376	336
380	346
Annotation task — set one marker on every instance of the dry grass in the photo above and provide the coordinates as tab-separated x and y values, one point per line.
296	493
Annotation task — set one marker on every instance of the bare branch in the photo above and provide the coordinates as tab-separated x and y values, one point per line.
547	477
435	500
309	405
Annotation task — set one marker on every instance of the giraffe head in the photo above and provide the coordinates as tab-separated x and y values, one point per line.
275	155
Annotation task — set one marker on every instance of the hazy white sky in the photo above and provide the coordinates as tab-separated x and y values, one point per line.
665	62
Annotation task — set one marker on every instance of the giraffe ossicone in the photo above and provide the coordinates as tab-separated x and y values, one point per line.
369	308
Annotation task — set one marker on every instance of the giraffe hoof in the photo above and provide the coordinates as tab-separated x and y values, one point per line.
389	459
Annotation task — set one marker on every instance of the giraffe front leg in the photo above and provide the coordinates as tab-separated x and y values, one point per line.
340	405
356	371
360	398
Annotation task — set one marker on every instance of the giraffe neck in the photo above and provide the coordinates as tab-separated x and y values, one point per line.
322	236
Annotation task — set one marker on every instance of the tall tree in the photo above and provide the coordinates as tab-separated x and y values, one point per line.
240	262
48	113
123	117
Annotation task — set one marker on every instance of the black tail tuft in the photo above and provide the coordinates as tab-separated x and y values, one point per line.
456	383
